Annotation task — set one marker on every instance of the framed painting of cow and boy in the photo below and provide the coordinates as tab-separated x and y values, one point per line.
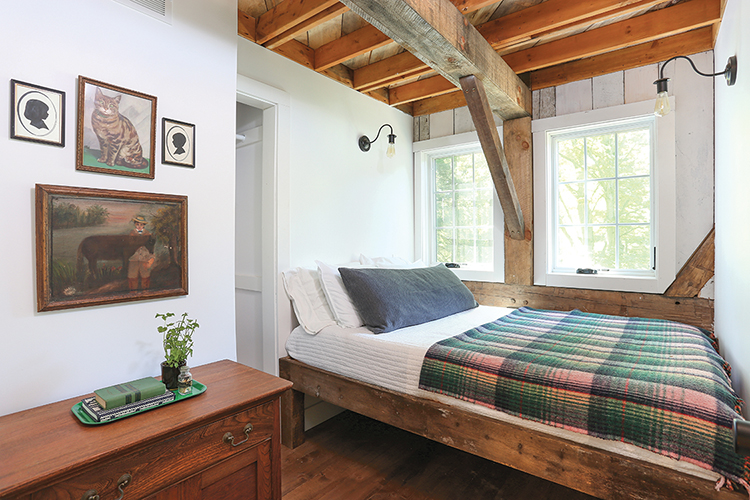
116	130
97	246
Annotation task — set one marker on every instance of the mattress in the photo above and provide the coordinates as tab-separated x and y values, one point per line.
393	361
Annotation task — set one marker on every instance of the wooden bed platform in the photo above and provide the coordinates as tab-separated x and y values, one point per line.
593	471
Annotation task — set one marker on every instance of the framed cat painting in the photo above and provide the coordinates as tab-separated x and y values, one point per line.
116	130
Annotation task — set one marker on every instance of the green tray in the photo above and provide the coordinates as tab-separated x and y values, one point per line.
84	417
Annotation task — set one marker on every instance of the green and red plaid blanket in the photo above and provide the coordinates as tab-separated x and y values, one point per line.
656	384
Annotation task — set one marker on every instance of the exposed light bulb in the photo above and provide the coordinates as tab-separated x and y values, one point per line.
662	107
391	151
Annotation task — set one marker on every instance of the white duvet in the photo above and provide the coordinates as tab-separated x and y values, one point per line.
393	360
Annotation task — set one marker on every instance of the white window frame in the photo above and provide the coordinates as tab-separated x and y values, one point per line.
663	196
424	209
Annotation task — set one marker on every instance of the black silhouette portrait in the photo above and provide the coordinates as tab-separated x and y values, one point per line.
179	141
36	112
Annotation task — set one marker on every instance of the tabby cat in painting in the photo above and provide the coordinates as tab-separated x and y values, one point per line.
118	138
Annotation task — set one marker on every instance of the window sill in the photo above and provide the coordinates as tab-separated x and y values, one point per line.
644	284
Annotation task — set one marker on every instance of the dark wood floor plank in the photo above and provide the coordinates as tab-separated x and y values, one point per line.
351	457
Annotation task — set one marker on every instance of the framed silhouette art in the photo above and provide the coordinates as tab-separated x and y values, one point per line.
37	114
116	130
178	143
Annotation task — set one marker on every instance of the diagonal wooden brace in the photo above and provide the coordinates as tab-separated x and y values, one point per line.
484	122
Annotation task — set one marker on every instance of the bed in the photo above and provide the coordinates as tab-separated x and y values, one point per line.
379	376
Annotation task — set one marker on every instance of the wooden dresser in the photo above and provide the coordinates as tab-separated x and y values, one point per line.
181	451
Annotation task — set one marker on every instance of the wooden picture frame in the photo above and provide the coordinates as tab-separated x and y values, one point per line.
178	143
37	114
97	246
116	130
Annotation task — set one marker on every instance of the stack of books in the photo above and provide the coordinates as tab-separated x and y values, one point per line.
124	399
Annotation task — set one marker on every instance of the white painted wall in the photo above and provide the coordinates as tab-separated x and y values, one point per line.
732	200
694	138
190	67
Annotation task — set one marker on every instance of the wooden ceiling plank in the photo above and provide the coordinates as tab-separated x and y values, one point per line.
484	121
326	15
286	15
376	73
444	102
553	14
691	42
245	26
348	46
438	34
297	52
652	26
429	87
696	272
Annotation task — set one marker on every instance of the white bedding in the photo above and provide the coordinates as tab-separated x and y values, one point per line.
394	360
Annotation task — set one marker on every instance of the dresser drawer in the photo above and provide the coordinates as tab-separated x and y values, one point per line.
172	460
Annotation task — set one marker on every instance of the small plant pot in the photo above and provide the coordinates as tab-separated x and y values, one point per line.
169	375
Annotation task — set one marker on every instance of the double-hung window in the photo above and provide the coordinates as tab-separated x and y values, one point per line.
607	208
458	212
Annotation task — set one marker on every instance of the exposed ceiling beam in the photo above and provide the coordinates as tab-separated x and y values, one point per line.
354	44
484	121
553	14
429	87
297	52
444	102
286	15
438	34
330	13
501	33
652	26
245	26
691	42
466	6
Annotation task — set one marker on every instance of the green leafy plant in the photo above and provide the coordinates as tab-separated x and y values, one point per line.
177	338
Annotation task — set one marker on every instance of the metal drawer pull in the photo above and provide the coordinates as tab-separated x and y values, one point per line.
121	484
229	438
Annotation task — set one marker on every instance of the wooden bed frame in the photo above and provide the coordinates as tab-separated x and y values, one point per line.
597	472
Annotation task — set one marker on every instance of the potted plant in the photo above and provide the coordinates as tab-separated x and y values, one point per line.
178	345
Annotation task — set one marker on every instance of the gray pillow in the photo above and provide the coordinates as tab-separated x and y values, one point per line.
389	299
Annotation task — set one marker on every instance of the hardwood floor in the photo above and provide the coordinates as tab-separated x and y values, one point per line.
351	457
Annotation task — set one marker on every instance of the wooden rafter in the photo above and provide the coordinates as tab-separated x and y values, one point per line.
696	272
436	85
438	34
648	27
479	107
451	100
354	44
388	71
245	26
330	13
692	42
286	15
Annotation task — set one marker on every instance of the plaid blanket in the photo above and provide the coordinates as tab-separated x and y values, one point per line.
656	384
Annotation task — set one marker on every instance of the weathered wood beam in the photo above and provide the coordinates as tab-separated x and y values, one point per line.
696	272
554	14
245	26
444	102
692	311
481	114
519	253
354	44
648	27
692	42
297	52
286	15
429	87
438	34
326	15
504	32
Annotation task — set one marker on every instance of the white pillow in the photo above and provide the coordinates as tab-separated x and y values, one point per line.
338	298
308	299
389	262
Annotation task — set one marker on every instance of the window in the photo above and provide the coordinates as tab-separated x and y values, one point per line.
602	187
457	208
604	199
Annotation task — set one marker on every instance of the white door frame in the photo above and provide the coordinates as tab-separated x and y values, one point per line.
276	315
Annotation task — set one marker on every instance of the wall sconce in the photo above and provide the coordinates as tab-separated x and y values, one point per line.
662	98
364	142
